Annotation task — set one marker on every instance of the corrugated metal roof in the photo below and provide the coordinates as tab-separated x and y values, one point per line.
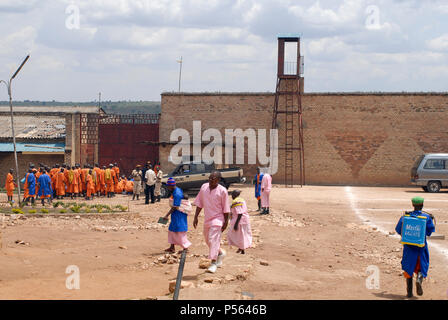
32	127
51	109
32	147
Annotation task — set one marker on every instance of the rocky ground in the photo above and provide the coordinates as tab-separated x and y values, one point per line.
317	243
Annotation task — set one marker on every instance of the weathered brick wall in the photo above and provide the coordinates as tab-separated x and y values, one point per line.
350	138
7	162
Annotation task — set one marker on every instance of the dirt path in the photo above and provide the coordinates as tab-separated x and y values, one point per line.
316	244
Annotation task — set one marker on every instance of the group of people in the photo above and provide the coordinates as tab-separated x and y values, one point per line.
61	181
218	211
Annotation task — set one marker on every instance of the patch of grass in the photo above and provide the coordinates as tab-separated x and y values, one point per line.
63	211
44	210
17	211
32	211
75	208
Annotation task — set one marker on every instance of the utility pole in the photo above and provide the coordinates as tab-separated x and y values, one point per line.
180	71
8	85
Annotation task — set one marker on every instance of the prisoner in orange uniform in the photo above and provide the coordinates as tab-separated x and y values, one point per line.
60	184
10	184
117	175
90	185
103	182
129	186
75	181
98	179
109	175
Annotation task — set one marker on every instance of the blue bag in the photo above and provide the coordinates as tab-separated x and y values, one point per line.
413	231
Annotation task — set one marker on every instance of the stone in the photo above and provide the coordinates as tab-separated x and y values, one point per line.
209	280
204	263
183	285
78	217
123	247
241	277
264	263
229	277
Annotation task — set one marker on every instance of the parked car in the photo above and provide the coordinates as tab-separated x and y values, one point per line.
190	176
430	171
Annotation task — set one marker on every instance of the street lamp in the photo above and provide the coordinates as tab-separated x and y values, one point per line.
180	71
8	85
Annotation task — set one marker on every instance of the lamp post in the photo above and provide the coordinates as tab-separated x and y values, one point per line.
180	70
8	85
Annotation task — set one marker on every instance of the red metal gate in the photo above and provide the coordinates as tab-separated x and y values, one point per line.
120	138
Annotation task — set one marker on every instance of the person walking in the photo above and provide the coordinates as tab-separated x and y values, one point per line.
159	176
150	177
137	175
214	199
240	233
257	182
266	185
416	258
10	184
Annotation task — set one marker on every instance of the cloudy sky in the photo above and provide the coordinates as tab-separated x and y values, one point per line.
128	49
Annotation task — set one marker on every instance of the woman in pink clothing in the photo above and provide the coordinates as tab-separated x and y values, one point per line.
266	185
240	234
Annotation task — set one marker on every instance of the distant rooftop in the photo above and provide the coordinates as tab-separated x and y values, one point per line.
50	110
32	127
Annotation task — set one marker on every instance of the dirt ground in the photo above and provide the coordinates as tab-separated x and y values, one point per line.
317	243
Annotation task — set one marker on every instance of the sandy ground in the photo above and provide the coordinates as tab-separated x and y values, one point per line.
317	243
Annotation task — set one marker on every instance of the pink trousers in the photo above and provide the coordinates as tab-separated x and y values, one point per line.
212	235
179	239
265	199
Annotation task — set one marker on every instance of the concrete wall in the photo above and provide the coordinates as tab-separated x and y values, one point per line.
350	138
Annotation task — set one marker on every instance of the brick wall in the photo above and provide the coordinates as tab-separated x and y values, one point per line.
350	138
7	162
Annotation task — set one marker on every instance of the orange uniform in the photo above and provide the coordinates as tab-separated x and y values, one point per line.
60	184
117	175
98	179
26	190
9	185
102	182
121	185
90	185
83	179
129	186
109	177
75	181
70	180
37	175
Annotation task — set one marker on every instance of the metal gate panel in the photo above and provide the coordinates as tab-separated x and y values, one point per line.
121	137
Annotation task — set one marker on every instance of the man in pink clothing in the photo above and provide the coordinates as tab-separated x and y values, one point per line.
214	199
266	185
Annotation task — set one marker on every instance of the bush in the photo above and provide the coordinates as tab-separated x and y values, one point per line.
32	211
75	209
87	210
63	211
57	204
99	209
44	210
17	211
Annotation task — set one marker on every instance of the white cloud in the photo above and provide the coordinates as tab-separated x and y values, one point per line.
439	43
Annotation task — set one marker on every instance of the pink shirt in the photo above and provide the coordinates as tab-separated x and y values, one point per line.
266	183
237	210
214	202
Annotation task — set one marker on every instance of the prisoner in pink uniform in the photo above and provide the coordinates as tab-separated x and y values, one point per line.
266	185
213	198
240	234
